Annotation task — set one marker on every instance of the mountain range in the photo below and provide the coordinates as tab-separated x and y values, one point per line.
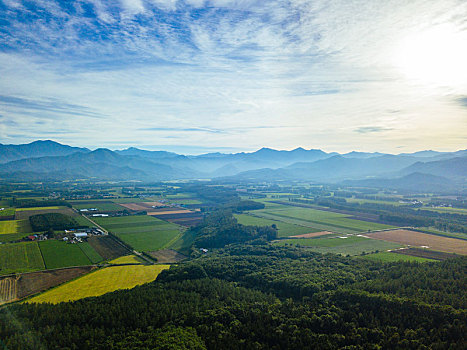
49	160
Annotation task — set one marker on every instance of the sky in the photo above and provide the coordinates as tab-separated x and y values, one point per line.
195	76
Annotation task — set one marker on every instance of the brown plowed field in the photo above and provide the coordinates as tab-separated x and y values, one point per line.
27	284
424	240
32	283
425	253
8	290
168	212
312	234
167	256
107	247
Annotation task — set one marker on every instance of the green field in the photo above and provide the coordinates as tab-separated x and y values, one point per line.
89	202
60	254
186	201
285	229
20	257
312	225
134	200
90	252
351	245
39	208
443	233
141	232
11	237
82	221
7	212
100	282
179	195
374	201
99	206
391	257
319	219
447	210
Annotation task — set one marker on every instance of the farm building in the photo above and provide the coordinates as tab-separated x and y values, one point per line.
80	234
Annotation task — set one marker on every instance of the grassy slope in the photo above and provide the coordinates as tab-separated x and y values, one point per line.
319	219
285	229
352	245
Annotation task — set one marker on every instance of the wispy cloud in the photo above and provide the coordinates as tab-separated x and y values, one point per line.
462	101
203	130
241	73
371	129
48	105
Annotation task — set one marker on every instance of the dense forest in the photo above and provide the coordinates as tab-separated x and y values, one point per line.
220	228
54	221
261	297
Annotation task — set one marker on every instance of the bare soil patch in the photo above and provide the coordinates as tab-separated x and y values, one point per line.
312	234
423	240
8	289
26	284
107	247
169	212
188	222
167	256
133	206
425	253
32	283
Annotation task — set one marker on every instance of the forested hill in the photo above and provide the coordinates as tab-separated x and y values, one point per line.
51	161
261	297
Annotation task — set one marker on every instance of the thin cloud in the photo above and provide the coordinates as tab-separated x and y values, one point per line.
371	129
204	130
49	105
462	101
318	69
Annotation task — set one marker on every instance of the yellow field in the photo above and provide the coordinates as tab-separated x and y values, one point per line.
100	282
127	259
14	226
38	208
8	226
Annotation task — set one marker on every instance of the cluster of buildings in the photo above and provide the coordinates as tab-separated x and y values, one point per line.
37	237
74	236
85	210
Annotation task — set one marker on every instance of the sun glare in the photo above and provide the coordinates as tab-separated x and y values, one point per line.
436	56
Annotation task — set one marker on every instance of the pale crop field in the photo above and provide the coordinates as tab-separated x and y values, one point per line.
127	259
100	282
